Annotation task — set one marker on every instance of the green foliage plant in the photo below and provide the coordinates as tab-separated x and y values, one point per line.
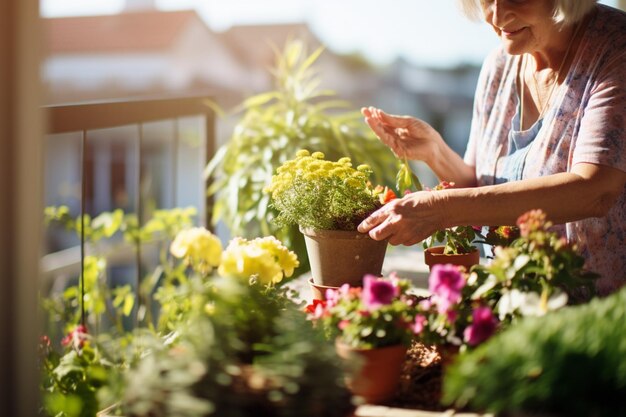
297	114
538	272
227	339
312	192
243	347
456	240
571	362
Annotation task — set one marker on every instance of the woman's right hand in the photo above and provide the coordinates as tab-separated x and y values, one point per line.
407	136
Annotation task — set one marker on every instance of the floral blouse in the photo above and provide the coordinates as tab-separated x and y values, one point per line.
586	123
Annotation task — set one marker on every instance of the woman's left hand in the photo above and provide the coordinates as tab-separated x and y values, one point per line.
405	221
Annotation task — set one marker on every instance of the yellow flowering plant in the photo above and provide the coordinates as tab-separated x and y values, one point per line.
265	259
198	247
320	194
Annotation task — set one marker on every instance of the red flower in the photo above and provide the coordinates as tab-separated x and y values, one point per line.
316	309
44	345
311	307
531	221
44	341
387	196
77	337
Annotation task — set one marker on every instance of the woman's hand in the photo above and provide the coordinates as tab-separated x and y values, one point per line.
407	137
405	221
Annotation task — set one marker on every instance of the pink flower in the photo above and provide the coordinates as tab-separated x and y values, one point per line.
76	337
483	325
418	325
377	292
445	283
425	304
451	315
343	324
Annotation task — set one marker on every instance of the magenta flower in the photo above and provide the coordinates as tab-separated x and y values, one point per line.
483	325
419	323
445	283
377	292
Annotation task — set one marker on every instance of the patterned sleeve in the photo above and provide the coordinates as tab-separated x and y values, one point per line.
602	135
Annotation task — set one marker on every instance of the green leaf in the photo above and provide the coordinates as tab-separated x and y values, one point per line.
215	162
260	99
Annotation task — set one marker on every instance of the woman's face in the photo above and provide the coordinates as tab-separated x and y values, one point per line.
524	26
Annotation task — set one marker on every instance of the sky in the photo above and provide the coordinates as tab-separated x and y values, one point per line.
425	32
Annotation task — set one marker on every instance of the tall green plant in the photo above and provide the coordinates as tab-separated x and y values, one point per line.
276	124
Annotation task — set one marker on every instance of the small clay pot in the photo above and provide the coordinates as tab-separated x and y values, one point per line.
377	380
318	291
435	256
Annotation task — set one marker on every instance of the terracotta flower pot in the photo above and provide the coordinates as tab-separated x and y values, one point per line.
379	375
338	257
435	256
318	291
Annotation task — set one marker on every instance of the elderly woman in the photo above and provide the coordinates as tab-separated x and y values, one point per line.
548	131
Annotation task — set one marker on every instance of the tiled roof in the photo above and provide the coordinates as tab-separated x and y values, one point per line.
252	43
132	31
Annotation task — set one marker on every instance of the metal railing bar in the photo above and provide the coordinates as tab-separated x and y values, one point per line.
107	114
139	208
83	191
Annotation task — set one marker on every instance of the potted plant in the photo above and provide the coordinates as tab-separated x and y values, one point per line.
244	348
371	325
458	243
274	125
457	248
539	272
327	200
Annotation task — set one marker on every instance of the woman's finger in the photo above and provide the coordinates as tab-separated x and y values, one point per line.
372	220
383	231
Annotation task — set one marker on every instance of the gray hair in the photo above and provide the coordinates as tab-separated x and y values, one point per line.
566	12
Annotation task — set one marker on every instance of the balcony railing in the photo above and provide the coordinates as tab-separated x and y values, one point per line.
137	155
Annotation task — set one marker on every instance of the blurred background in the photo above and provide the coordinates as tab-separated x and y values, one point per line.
415	57
419	57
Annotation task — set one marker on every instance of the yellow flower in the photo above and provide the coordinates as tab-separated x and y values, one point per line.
302	153
352	182
345	161
366	169
314	166
267	259
338	172
318	155
199	248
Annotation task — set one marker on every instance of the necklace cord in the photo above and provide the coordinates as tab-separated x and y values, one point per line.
542	108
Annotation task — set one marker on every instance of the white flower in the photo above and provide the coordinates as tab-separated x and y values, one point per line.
530	303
